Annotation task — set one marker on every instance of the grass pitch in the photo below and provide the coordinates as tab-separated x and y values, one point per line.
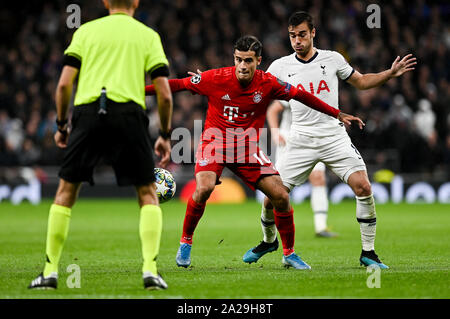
104	242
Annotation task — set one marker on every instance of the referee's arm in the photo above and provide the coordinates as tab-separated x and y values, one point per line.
62	97
165	107
164	100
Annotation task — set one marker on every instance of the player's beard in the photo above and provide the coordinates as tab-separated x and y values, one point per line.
303	53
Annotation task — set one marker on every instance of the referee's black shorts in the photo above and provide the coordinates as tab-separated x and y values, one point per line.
120	137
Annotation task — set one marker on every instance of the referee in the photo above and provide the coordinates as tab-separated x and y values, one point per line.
110	56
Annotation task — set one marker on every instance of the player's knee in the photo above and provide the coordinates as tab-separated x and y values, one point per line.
363	189
280	201
202	193
267	203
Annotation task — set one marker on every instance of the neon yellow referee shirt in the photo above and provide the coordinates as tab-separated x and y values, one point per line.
115	52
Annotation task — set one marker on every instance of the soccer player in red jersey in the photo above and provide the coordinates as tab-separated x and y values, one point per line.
238	98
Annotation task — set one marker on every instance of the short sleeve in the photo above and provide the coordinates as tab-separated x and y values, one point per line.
274	69
155	56
344	70
75	48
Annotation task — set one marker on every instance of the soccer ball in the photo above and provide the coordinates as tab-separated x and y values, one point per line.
165	184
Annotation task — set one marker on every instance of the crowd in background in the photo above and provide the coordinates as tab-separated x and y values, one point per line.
410	115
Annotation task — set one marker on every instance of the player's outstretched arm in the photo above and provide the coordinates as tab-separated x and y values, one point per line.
175	86
371	80
315	103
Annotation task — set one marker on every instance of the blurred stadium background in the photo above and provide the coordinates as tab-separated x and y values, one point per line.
408	119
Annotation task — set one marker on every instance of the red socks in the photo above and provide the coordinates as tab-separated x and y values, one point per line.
284	222
194	212
286	228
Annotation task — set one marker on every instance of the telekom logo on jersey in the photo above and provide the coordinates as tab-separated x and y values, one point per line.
321	87
230	112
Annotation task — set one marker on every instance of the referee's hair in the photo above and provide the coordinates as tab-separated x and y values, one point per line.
299	17
249	43
121	3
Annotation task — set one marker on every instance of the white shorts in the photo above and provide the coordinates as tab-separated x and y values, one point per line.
302	153
281	151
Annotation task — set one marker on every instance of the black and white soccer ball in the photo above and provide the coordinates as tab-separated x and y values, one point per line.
165	184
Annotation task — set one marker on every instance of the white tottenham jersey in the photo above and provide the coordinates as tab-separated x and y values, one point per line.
319	76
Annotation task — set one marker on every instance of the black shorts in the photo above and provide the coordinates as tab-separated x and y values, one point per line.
120	137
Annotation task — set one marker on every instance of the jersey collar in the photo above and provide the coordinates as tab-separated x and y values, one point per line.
117	13
308	61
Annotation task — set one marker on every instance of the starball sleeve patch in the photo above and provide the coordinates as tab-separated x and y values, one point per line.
196	79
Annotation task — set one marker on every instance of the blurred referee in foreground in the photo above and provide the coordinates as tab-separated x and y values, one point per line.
110	56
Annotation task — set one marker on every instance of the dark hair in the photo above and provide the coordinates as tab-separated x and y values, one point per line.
299	17
249	43
120	3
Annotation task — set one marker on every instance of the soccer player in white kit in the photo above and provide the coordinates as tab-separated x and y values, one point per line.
317	178
315	138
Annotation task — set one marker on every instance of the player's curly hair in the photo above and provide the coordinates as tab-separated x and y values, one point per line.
299	17
249	43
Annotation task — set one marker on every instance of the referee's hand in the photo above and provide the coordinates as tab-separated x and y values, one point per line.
162	149
61	138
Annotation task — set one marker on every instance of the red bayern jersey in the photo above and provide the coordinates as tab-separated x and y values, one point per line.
236	113
233	107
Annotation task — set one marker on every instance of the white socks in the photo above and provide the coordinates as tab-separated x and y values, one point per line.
366	216
268	226
319	205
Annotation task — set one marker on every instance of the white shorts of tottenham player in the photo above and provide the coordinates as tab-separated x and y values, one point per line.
302	153
281	151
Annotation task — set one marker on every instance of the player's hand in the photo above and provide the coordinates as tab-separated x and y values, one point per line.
277	138
61	139
348	119
404	65
193	73
162	149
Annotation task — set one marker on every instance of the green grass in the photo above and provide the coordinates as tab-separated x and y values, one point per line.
103	240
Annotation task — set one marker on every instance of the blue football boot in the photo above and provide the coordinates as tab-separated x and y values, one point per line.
184	255
294	261
368	258
253	254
